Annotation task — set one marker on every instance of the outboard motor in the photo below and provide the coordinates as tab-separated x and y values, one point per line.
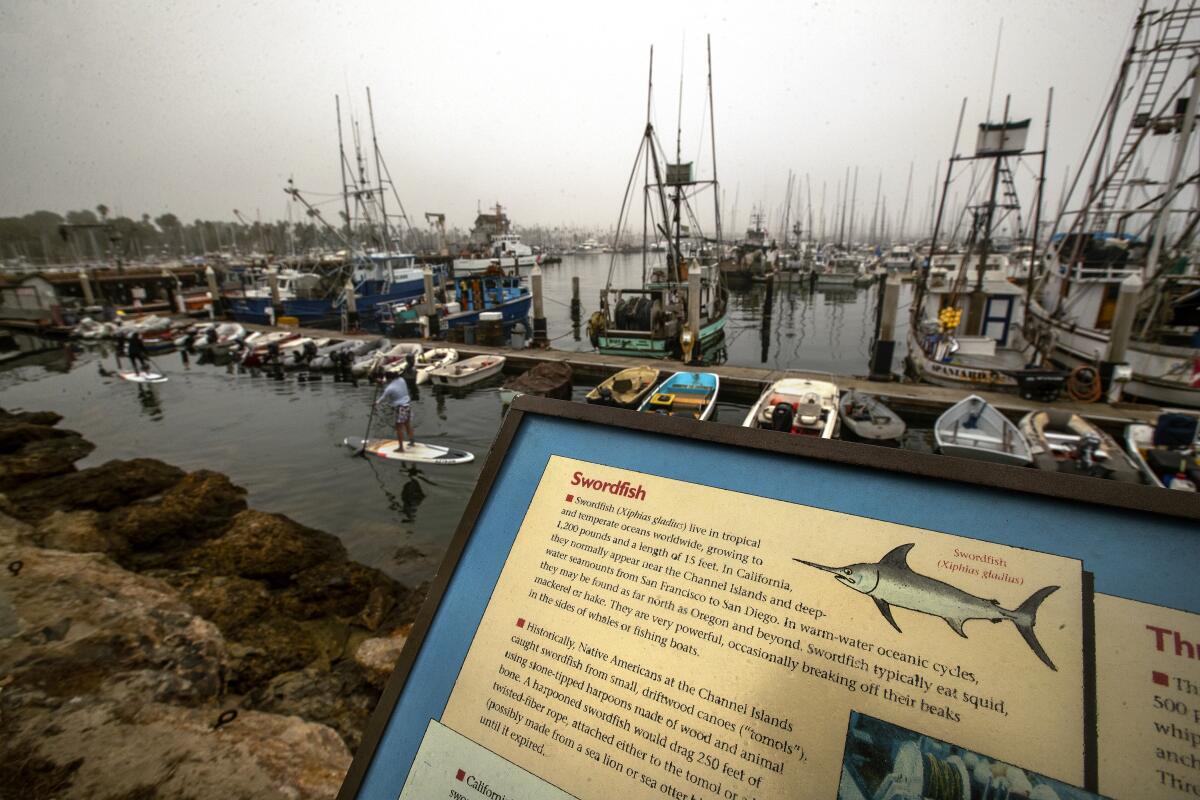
1086	451
781	417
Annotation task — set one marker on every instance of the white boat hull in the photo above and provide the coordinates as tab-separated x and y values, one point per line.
470	266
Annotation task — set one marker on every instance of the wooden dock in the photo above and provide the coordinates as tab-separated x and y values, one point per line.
745	384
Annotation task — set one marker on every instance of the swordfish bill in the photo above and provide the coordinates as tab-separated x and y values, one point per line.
891	582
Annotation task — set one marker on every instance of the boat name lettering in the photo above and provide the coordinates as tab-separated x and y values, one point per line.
623	488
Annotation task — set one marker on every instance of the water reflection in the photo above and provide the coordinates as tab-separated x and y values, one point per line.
150	404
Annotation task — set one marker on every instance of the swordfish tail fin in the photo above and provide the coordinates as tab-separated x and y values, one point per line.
1025	616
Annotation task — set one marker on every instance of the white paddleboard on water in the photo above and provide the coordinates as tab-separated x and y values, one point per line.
141	377
417	453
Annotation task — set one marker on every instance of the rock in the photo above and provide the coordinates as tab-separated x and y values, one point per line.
378	656
78	532
101	488
44	418
227	601
267	546
42	459
263	649
341	699
197	507
100	748
79	624
15	435
340	588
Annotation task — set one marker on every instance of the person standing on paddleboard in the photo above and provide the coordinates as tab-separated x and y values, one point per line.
396	395
138	354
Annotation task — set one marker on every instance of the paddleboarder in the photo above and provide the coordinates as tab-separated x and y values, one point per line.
396	395
138	354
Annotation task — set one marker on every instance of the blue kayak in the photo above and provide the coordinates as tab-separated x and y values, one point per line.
684	394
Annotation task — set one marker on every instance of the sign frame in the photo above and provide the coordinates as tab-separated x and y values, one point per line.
527	410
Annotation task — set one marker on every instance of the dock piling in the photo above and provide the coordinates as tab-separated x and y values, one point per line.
540	339
694	312
86	285
576	308
351	306
214	293
1122	326
885	342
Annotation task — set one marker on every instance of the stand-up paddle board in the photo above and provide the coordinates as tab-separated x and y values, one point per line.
141	377
416	453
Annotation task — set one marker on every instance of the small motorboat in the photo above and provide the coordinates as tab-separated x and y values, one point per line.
547	379
626	389
432	359
1064	442
797	405
351	348
684	394
465	373
386	356
867	418
1167	452
973	429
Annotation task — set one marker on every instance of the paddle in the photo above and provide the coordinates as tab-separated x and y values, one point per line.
370	418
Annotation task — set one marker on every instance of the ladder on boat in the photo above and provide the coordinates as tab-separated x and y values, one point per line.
1160	57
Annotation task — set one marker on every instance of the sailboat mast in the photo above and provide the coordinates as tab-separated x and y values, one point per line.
678	186
342	162
387	238
900	233
712	127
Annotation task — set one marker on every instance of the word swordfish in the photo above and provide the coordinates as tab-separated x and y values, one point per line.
891	582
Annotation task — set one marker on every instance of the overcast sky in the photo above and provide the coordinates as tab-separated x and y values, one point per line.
200	107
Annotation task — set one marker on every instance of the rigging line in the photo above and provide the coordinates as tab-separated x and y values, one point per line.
625	202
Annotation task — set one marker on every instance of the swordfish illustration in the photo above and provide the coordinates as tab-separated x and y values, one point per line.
891	582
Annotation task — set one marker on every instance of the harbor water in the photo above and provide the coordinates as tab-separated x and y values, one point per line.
282	440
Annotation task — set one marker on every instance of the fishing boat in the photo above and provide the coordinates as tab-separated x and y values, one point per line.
899	259
679	310
465	373
625	389
1064	442
866	417
1131	231
800	406
971	428
547	379
965	326
684	394
501	246
490	291
1167	452
840	269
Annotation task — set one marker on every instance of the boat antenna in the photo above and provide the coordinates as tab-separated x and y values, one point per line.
679	113
995	65
337	102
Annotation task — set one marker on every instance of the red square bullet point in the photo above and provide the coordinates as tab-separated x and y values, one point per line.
520	622
570	498
460	775
1160	678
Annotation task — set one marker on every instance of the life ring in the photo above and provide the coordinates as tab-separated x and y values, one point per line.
1083	385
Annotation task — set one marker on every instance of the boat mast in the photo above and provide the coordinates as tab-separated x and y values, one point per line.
1037	211
904	213
941	210
342	162
978	301
387	238
678	185
712	127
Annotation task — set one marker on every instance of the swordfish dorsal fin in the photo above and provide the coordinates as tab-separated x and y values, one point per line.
898	557
886	610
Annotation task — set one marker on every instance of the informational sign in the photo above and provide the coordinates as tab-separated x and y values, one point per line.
630	614
1148	699
656	636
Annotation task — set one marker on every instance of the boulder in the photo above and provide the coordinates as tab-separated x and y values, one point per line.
338	588
378	656
15	435
341	699
101	488
78	532
267	546
44	418
42	459
229	602
101	748
264	648
197	507
76	623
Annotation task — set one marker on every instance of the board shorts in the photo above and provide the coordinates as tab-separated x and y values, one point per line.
403	414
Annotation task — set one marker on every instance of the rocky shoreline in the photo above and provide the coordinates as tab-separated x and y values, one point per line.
140	606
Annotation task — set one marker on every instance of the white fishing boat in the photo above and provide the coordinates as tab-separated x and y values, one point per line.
797	405
1131	231
971	428
465	373
502	247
